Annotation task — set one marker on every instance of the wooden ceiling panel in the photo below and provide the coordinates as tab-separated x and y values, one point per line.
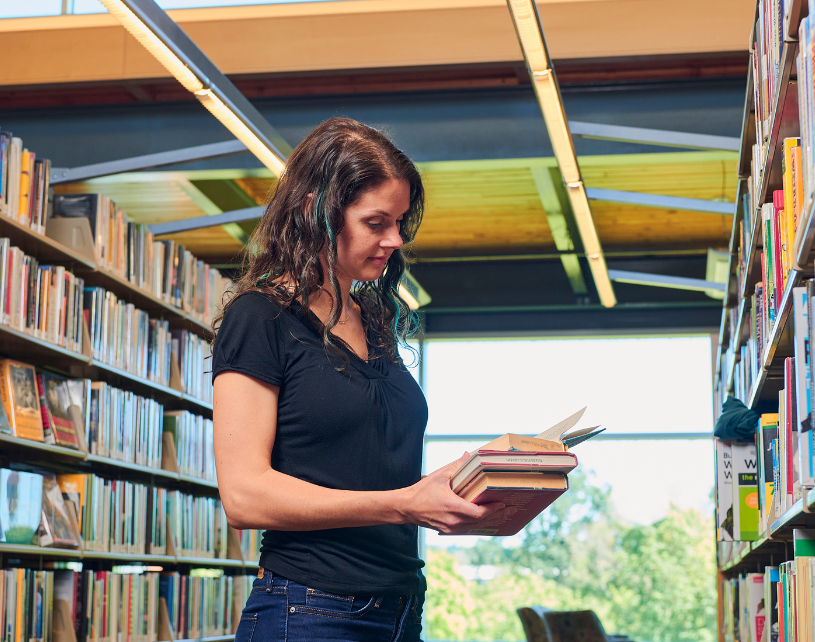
706	180
258	188
211	244
146	201
479	212
626	227
479	207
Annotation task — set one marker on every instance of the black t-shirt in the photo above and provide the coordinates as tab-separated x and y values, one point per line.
357	429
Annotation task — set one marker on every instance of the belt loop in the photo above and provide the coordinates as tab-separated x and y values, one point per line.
296	592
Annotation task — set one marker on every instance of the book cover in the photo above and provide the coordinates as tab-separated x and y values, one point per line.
48	433
530	500
771	603
499	461
768	433
724	491
794	490
57	400
85	206
755	605
18	392
20	506
745	492
55	529
5	424
72	487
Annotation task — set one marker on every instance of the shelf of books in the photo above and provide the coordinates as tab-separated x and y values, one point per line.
765	468
108	493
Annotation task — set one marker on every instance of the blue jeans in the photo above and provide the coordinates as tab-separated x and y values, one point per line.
279	610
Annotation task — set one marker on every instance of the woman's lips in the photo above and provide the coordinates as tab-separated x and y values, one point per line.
379	260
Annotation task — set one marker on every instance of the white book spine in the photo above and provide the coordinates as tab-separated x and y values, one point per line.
724	491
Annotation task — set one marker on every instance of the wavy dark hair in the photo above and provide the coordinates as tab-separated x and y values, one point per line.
331	169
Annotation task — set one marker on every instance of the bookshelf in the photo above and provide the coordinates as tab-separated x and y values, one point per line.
763	334
204	568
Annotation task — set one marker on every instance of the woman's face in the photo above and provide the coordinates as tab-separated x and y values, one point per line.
371	232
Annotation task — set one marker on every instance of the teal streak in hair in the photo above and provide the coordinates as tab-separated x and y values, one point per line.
397	315
325	216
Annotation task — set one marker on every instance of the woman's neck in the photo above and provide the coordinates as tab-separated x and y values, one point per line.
323	301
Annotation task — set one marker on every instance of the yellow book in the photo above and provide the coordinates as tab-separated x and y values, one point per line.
27	169
787	222
797	185
19	624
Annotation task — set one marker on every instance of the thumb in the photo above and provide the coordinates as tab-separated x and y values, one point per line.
454	466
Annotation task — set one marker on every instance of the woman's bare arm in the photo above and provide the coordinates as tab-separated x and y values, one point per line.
256	496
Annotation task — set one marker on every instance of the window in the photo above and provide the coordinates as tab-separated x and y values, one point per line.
639	511
33	8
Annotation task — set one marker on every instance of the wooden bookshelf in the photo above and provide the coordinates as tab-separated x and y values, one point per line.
775	545
777	542
45	249
44	354
21	550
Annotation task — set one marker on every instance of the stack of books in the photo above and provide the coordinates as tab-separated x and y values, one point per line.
24	183
777	601
528	473
127	249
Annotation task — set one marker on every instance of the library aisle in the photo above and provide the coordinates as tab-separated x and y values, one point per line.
619	215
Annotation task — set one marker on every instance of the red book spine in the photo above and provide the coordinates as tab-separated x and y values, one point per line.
780	277
46	424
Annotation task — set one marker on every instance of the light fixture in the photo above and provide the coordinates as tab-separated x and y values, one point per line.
551	105
154	45
591	242
240	131
530	35
193	82
412	292
524	14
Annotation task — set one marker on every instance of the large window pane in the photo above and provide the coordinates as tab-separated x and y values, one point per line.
29	8
631	540
94	6
629	385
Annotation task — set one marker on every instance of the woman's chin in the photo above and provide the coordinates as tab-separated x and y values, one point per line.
370	274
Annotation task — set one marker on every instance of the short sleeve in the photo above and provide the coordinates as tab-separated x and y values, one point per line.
249	340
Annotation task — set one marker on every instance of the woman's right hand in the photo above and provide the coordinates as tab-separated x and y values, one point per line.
432	503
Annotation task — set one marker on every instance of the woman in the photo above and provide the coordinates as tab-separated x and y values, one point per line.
318	426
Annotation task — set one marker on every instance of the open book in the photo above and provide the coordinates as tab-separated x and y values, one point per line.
553	439
526	472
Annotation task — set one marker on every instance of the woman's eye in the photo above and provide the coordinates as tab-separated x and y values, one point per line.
375	225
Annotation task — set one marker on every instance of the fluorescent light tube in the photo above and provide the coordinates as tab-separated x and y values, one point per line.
591	242
412	292
191	82
154	45
530	35
555	118
525	15
239	130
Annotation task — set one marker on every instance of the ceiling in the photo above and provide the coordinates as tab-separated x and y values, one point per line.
460	104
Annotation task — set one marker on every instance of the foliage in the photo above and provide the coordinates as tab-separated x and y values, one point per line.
654	583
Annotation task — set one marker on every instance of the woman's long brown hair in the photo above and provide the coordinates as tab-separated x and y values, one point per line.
330	170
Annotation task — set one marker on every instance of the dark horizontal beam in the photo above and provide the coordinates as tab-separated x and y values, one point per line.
658	200
200	222
664	281
147	161
587	320
654	136
399	79
557	254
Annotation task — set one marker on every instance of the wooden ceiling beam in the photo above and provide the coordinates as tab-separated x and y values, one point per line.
368	34
362	81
